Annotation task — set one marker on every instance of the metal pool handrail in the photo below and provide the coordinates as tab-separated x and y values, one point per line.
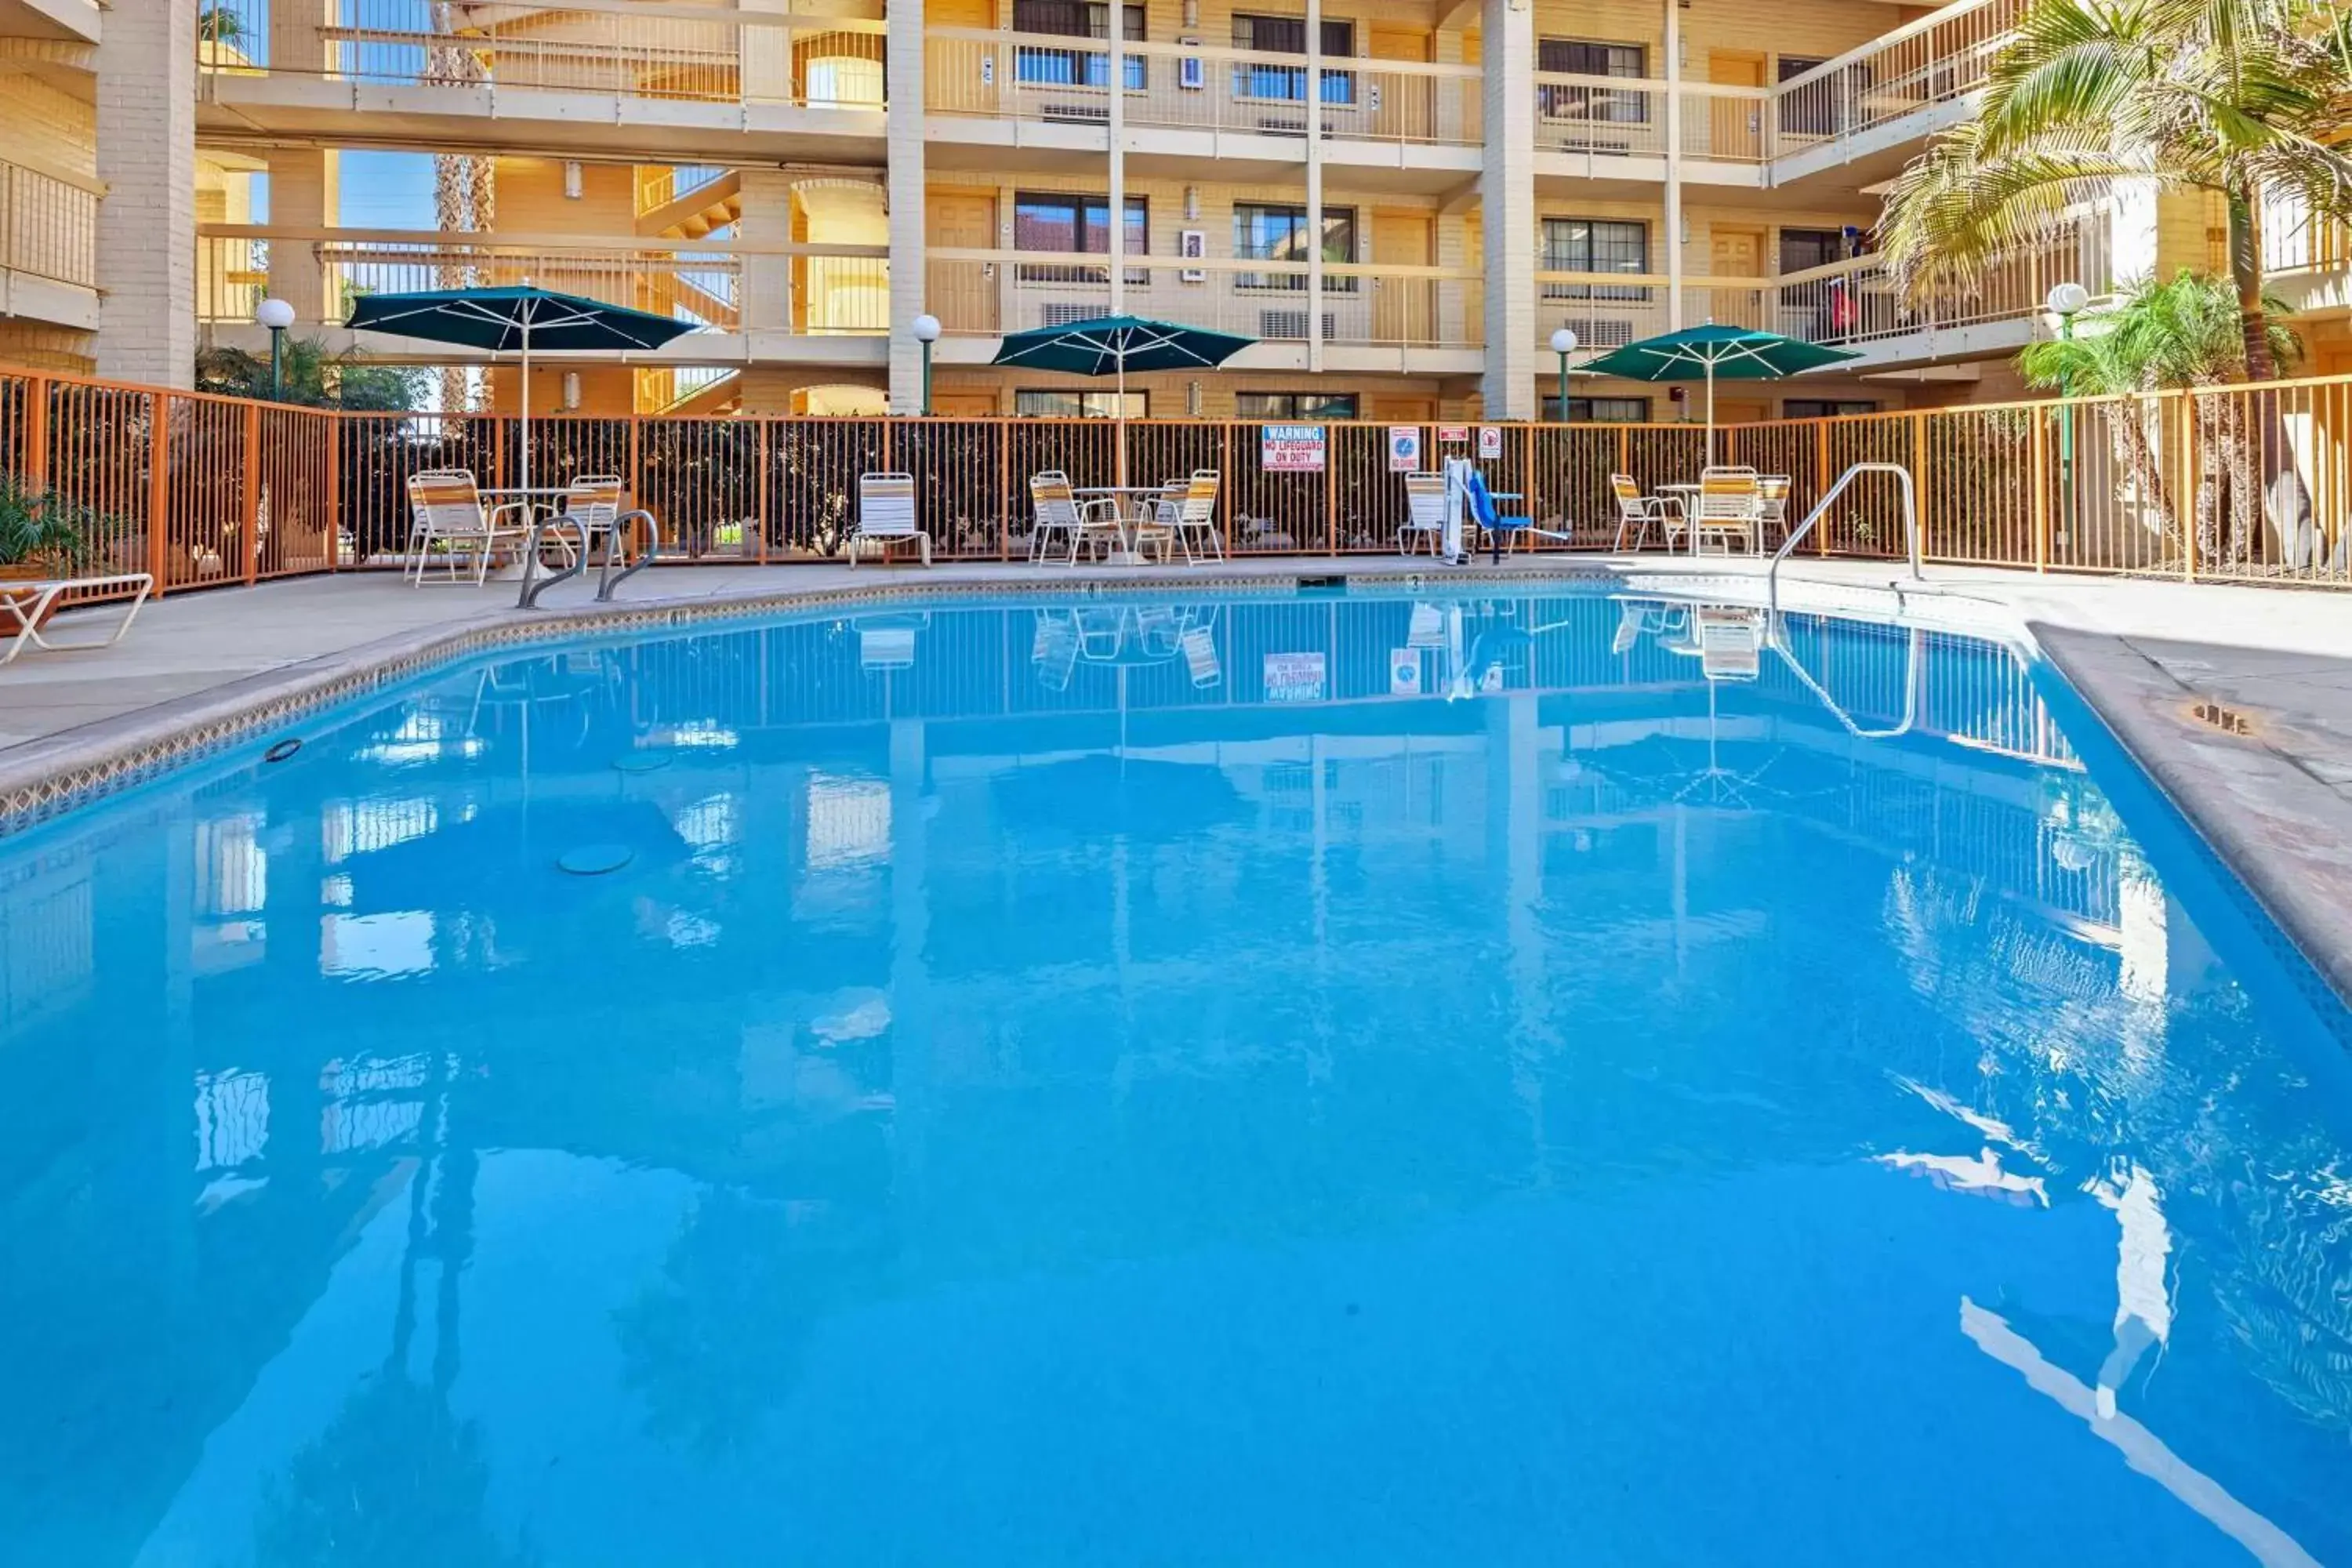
1797	534
1779	644
533	584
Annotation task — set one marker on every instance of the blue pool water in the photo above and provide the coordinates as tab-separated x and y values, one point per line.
1293	1080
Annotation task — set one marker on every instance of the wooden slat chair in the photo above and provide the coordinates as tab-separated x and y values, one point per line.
1058	512
592	504
885	516
1773	507
448	519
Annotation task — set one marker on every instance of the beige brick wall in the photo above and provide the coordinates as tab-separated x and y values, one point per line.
45	127
147	223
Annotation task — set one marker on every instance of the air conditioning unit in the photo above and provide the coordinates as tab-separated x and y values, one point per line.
1605	331
1290	326
1061	314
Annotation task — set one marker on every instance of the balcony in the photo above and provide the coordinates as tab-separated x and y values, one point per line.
985	90
49	246
1870	105
2307	262
653	81
810	303
1383	318
1852	304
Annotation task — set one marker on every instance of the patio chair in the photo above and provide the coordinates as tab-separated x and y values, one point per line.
1730	642
1196	518
1059	511
1199	641
26	604
1772	511
1425	504
1638	511
885	643
1159	631
446	518
1729	505
591	502
886	515
1055	648
1156	529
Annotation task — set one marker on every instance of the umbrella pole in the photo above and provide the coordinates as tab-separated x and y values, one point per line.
1710	413
526	403
1121	464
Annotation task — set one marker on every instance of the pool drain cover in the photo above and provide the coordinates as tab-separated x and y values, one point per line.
595	859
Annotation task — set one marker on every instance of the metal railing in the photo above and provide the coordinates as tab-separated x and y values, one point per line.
1937	60
48	225
717	286
1910	515
612	47
2243	483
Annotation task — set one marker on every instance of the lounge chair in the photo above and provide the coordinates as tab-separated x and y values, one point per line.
446	518
1425	503
1729	505
26	604
1638	511
1196	518
886	515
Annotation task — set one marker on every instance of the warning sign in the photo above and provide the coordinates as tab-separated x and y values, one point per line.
1293	678
1290	449
1404	448
1453	435
1490	441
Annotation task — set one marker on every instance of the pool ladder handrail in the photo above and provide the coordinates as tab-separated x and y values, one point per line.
533	584
1821	508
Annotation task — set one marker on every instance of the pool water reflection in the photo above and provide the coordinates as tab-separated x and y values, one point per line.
1552	1080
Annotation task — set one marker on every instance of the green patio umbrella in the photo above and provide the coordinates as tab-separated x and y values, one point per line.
1709	352
514	318
1106	345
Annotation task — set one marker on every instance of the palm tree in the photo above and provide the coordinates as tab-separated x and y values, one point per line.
2176	335
2238	97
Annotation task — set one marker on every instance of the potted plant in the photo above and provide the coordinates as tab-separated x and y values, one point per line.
41	535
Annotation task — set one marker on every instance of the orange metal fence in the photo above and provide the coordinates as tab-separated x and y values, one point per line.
2240	482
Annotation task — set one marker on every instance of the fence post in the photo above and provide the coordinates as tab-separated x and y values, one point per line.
334	546
159	487
250	525
1331	491
1919	473
2185	487
1820	482
759	484
1225	483
1003	488
2040	478
37	434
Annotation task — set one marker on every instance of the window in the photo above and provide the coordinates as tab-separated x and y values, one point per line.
1601	410
1295	405
1075	19
1264	232
1071	223
1593	245
1038	404
1824	407
1287	36
1807	247
1575	56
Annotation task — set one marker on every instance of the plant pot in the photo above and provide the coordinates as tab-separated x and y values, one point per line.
22	572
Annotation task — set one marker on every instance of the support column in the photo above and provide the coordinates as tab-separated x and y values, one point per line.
1673	238
303	193
1315	187
766	304
147	220
1114	70
1507	198
904	119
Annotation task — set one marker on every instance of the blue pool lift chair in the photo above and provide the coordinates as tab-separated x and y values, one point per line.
1480	503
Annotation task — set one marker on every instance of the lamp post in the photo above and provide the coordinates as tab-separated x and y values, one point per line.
1563	344
926	332
2067	300
277	315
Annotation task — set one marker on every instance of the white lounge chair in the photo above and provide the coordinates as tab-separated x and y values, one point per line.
885	516
448	519
1424	500
1059	513
25	606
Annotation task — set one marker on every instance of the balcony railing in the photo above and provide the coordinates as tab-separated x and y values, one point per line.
608	47
48	225
2294	241
1605	117
984	293
716	286
1936	59
1044	77
1845	303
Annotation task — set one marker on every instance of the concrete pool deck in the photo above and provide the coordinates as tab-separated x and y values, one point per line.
2238	700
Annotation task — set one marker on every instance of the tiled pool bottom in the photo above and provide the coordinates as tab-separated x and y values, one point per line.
1529	1080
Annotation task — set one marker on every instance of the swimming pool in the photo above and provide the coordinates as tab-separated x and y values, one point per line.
1291	1079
